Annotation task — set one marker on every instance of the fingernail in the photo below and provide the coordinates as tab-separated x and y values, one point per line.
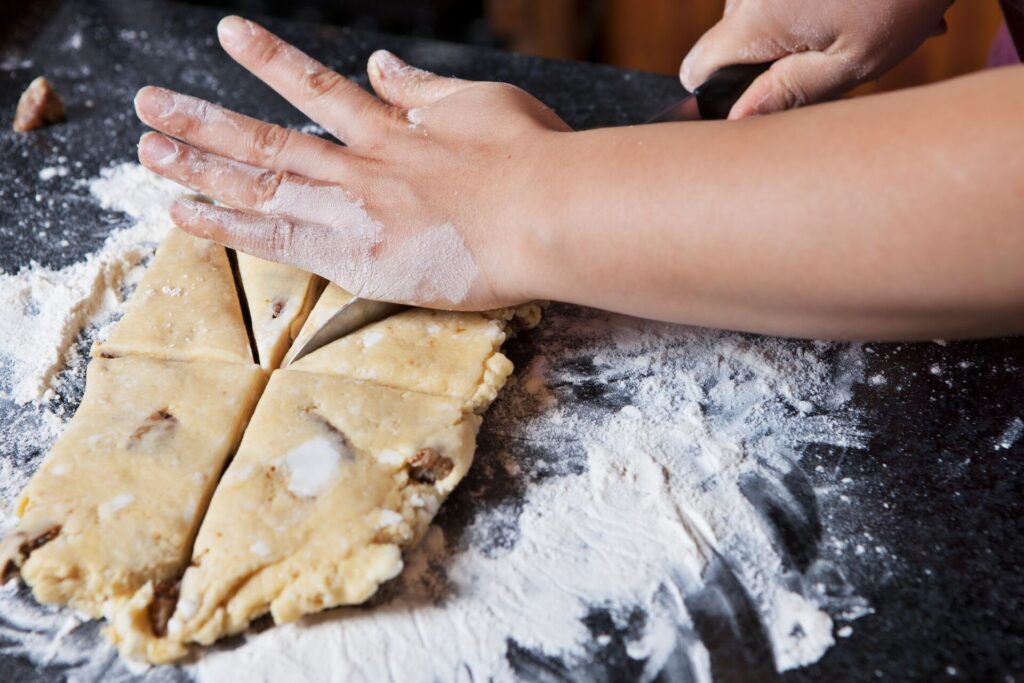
154	102
184	210
387	64
157	149
235	31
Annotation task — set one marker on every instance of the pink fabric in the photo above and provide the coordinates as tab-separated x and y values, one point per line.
1013	10
1003	51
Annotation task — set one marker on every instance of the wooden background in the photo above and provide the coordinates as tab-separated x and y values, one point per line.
655	35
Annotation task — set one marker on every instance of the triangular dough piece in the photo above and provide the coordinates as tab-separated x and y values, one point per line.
332	479
332	299
279	298
117	501
444	353
185	308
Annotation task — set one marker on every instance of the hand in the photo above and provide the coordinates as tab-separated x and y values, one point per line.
823	47
426	203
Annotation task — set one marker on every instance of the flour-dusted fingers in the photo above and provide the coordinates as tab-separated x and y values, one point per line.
406	86
351	247
230	134
343	108
248	187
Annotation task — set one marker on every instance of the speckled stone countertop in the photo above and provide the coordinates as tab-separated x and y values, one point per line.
935	486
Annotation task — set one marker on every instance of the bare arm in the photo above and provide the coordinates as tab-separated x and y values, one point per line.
893	217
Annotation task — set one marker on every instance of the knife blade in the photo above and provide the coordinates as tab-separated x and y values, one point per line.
714	98
354	314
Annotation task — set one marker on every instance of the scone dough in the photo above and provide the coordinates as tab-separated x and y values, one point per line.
117	501
333	478
279	298
332	299
185	308
444	353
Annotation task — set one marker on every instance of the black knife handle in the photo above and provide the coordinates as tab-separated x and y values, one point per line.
716	95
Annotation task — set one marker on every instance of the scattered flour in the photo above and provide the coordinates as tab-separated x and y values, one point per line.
613	472
42	311
606	522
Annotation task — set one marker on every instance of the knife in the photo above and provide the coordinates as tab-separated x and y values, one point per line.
711	100
714	98
354	314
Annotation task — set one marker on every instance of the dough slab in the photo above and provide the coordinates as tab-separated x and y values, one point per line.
435	352
185	308
332	479
279	298
118	500
332	299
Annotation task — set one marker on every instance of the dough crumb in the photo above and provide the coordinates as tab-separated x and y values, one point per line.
39	106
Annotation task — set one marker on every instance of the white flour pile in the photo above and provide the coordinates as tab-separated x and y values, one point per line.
608	469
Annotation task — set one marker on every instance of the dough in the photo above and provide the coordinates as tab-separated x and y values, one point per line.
185	308
38	106
332	299
332	479
436	352
117	501
279	298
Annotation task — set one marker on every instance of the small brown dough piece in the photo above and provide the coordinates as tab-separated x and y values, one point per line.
118	499
185	308
39	106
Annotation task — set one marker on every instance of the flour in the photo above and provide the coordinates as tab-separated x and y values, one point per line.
606	521
618	474
42	311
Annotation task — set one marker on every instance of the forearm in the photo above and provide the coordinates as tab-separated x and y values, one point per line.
898	216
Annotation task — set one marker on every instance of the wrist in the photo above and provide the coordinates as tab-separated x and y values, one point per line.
537	217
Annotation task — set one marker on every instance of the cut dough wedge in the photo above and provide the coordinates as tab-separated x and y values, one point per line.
332	479
280	298
185	308
332	299
435	352
117	501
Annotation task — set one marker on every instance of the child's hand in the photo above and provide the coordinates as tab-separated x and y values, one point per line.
424	204
823	47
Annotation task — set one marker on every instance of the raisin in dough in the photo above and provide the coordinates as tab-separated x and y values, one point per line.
332	479
445	353
332	299
279	298
117	501
185	308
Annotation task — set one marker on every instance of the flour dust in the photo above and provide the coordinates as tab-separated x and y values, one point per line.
624	502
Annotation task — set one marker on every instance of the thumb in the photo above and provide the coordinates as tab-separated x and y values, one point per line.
405	86
802	78
726	43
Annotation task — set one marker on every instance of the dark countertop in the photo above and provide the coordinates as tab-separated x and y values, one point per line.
935	487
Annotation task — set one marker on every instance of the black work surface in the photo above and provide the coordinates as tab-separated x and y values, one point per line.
935	487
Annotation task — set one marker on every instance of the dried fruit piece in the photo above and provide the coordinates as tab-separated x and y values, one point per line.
13	560
161	421
165	598
428	466
39	106
276	308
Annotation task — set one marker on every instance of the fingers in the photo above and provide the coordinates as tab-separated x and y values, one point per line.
247	187
343	108
233	135
339	253
793	82
728	42
406	86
